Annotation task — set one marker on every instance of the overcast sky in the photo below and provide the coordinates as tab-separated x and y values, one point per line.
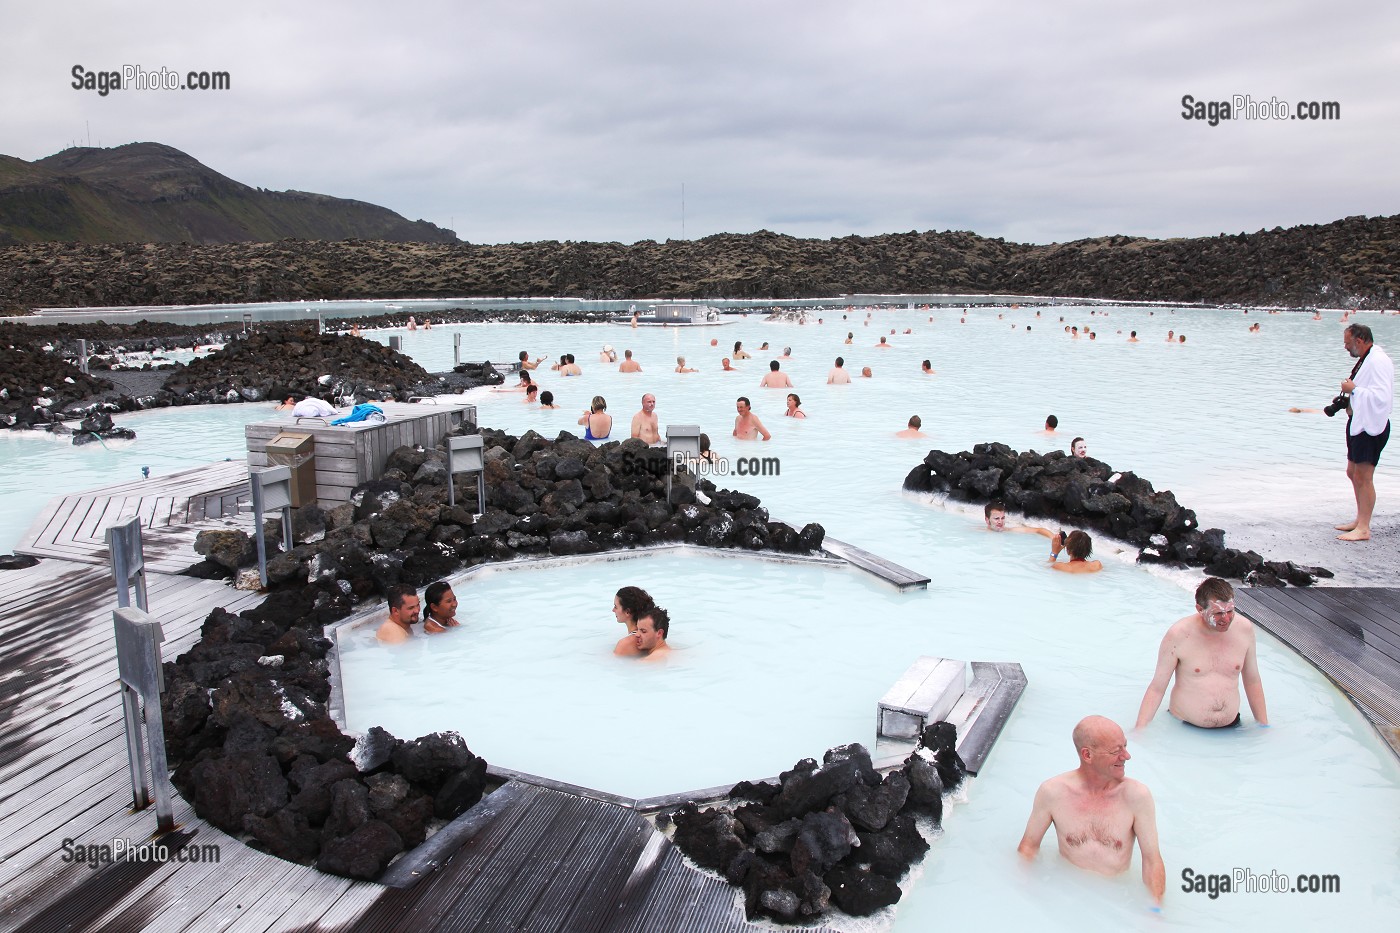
511	121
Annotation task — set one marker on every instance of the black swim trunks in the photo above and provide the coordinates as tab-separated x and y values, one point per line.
1228	725
1366	448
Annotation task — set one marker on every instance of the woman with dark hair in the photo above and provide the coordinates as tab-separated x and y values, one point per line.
441	603
630	604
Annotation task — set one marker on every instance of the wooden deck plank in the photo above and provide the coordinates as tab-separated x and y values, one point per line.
527	901
88	660
176	887
901	577
341	913
494	877
1370	679
105	512
73	521
1379	621
47	515
297	897
55	888
92	640
200	892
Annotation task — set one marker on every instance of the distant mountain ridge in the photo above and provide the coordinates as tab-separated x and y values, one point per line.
152	193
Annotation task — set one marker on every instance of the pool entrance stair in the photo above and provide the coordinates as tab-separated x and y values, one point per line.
977	699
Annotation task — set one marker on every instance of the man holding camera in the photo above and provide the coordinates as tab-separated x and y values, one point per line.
1367	395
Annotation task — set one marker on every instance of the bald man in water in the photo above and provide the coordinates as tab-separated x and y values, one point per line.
1097	811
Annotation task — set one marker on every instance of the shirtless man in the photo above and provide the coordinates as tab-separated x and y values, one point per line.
571	368
682	368
652	628
403	612
915	423
995	515
1210	652
1051	423
838	375
725	367
1097	811
629	365
774	379
525	360
1077	546
1079	448
928	367
644	422
747	425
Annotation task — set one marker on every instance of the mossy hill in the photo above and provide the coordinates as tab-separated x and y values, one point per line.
150	193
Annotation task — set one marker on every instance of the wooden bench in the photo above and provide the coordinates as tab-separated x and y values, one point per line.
938	689
924	694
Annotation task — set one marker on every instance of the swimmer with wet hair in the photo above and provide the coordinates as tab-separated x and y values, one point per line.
653	628
403	613
775	379
1211	654
1078	546
442	608
915	423
1051	423
994	514
629	603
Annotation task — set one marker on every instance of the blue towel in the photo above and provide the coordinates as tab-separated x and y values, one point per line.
361	412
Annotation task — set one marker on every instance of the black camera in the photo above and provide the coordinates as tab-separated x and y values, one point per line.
1337	404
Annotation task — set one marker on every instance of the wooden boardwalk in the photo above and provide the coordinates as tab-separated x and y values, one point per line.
173	509
1351	634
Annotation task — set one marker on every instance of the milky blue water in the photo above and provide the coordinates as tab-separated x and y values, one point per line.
1208	419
